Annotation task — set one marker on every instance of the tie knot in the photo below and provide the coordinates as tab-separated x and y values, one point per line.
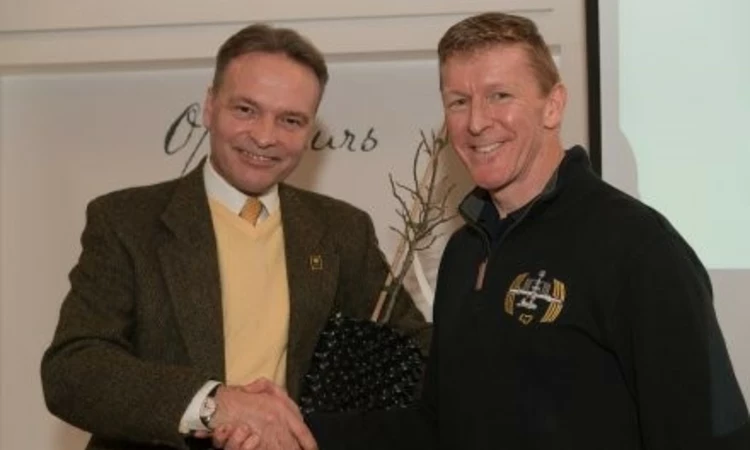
251	210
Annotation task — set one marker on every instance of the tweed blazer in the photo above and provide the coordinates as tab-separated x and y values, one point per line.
140	330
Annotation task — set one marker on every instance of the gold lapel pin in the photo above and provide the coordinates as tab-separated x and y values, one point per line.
316	262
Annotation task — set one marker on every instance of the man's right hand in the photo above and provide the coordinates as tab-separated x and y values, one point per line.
263	412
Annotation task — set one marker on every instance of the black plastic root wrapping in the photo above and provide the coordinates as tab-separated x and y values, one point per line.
359	365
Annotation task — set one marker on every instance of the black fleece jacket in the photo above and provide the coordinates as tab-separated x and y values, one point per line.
582	321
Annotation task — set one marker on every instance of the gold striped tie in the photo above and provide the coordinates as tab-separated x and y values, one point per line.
251	210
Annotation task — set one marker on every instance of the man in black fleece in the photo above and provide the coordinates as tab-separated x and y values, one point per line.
568	315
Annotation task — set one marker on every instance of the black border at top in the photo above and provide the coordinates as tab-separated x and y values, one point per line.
594	84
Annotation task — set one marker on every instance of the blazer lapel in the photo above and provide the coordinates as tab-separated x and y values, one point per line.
312	273
191	272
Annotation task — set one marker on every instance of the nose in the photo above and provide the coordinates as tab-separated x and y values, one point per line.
263	131
479	119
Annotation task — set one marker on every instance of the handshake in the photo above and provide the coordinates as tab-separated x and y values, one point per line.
257	416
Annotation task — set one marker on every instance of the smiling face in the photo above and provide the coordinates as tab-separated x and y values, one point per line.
502	126
260	119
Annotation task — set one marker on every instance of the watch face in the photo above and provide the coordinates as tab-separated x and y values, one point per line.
208	408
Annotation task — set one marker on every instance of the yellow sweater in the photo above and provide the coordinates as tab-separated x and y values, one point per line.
254	295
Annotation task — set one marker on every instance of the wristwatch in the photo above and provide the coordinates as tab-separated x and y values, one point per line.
208	408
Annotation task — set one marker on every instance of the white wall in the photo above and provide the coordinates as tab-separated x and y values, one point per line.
35	33
81	14
676	104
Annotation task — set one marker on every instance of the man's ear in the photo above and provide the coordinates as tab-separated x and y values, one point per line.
208	107
555	106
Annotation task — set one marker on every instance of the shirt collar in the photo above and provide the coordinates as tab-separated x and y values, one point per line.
230	197
478	208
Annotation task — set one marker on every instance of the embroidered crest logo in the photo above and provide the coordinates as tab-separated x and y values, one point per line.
530	299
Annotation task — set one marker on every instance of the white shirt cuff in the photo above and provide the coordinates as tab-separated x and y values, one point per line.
191	420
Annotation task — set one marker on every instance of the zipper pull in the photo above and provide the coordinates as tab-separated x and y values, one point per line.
480	275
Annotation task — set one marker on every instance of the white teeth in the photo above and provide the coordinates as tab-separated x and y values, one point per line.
256	156
486	148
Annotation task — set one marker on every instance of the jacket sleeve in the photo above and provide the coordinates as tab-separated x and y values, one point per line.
674	354
91	375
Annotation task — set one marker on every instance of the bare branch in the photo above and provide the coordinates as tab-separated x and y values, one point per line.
426	213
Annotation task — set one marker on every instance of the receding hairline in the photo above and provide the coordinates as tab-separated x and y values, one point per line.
216	88
280	53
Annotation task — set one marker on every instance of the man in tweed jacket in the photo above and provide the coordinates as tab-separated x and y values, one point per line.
141	331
